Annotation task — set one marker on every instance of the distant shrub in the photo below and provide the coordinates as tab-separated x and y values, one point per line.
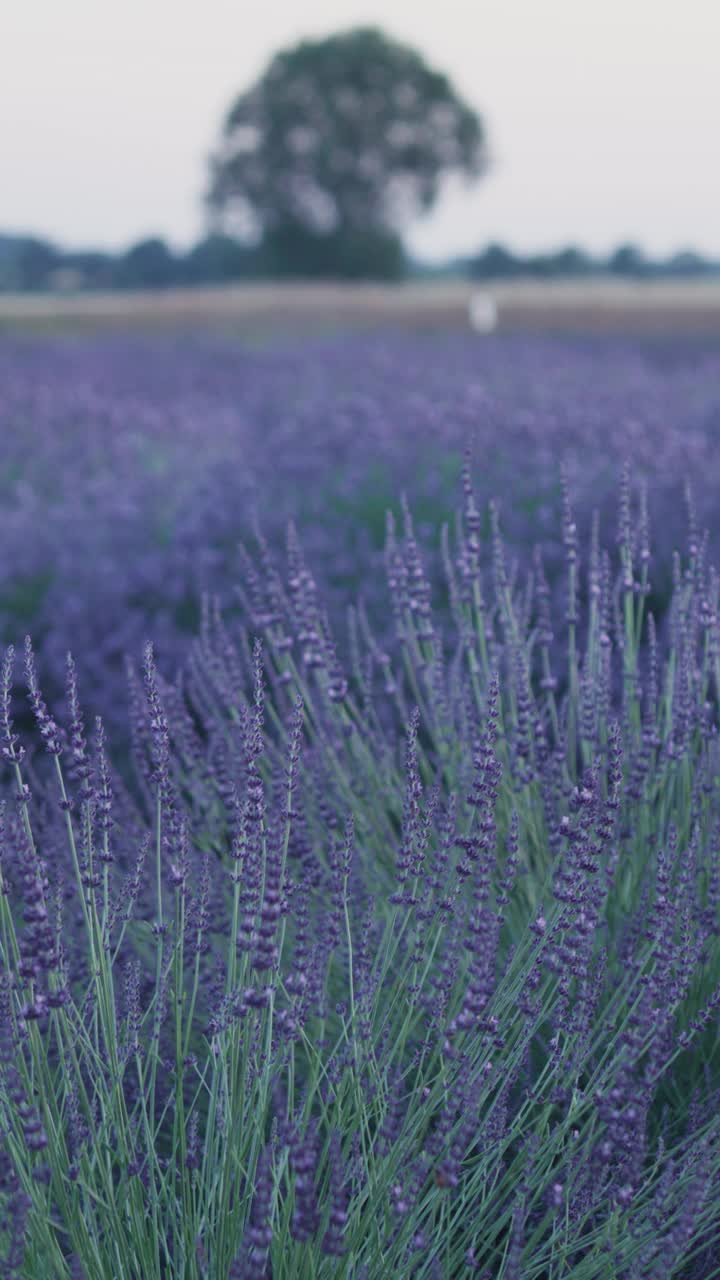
149	264
218	258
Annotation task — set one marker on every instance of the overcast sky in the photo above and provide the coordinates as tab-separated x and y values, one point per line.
603	116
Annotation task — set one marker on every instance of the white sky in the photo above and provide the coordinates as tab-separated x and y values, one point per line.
603	115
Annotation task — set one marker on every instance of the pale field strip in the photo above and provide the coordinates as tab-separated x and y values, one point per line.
604	305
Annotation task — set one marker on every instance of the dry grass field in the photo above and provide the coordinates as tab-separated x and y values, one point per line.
687	308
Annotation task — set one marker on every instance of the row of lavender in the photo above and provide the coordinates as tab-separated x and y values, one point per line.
130	469
395	958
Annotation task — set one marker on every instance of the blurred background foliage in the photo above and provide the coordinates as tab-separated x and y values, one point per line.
28	264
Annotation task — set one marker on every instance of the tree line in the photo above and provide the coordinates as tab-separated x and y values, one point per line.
29	265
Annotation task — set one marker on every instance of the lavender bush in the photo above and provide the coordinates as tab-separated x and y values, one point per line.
394	956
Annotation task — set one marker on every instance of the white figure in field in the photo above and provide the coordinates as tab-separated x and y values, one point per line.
482	313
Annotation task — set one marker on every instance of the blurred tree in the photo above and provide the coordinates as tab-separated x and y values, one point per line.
629	260
340	139
495	263
564	263
688	263
218	258
95	269
27	263
570	262
147	265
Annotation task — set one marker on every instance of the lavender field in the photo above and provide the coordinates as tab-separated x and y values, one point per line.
133	469
361	868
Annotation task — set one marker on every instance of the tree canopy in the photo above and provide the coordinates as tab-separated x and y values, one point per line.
349	134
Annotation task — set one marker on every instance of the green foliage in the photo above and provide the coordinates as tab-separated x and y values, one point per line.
218	258
349	254
147	264
25	263
498	262
349	134
629	260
